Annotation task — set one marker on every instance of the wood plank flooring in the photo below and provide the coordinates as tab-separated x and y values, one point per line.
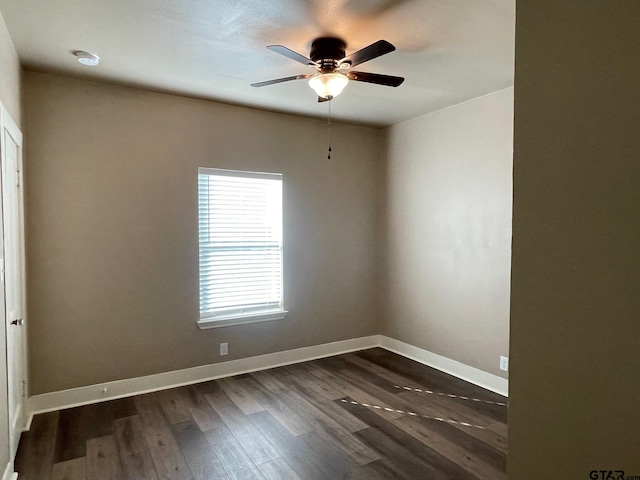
368	415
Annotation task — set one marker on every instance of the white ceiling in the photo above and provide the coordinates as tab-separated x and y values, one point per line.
449	51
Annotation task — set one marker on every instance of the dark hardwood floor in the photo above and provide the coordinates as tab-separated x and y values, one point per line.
368	415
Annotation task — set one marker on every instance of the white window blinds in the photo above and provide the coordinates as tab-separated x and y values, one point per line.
240	223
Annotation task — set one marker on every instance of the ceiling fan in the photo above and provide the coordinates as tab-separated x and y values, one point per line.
333	67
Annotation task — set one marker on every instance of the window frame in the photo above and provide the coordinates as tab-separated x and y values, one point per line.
241	318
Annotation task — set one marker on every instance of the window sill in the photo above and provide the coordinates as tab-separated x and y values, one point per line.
230	321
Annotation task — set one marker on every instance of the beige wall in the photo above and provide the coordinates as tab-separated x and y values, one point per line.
448	231
112	229
10	72
10	97
575	308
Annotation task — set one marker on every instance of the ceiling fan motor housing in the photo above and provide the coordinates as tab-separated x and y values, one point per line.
326	51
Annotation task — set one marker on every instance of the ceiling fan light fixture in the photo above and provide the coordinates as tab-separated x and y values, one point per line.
328	84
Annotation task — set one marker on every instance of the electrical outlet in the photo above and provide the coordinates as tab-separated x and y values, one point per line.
504	363
224	348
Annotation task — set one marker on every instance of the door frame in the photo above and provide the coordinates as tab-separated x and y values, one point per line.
17	424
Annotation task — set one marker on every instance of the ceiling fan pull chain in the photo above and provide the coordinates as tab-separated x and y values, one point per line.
329	131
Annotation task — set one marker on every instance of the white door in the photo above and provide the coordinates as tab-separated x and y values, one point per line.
14	284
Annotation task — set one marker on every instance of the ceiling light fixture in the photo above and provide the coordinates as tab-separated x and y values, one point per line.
328	85
86	58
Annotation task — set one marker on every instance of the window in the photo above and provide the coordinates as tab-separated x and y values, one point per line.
240	235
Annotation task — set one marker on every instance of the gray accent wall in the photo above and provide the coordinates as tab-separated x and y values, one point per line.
447	231
112	229
574	401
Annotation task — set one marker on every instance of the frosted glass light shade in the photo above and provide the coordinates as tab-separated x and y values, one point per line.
328	84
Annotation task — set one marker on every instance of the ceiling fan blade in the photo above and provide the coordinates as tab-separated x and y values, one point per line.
287	52
388	80
381	47
280	80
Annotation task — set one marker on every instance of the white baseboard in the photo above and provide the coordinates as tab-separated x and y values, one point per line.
465	372
74	397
